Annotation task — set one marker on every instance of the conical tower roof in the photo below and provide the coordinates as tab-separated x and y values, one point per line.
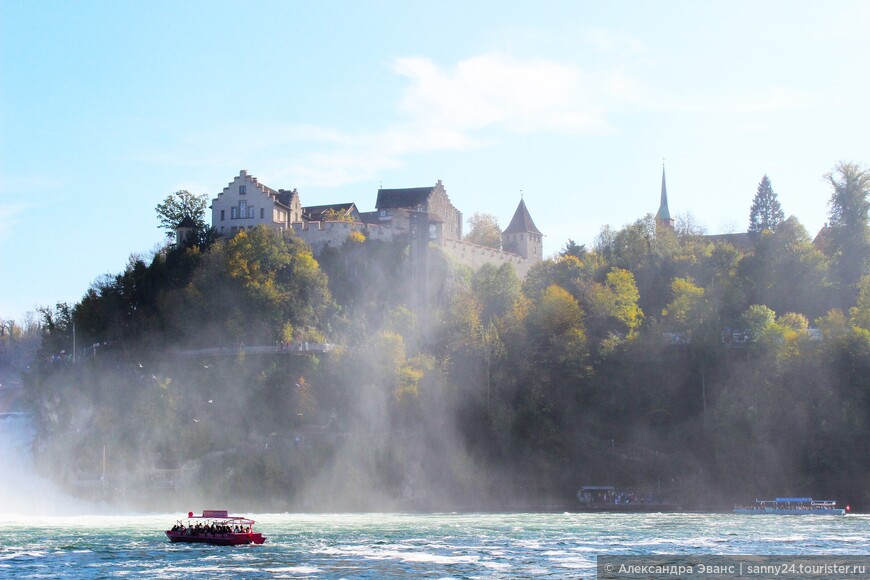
522	222
664	214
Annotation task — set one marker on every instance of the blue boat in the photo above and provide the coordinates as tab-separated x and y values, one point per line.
793	506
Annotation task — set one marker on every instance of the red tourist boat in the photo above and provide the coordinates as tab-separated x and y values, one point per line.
215	527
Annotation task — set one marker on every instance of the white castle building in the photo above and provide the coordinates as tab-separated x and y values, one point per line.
246	203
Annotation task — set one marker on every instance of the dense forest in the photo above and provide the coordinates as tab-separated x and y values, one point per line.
710	371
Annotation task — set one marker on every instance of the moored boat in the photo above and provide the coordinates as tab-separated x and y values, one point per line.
793	506
607	498
215	527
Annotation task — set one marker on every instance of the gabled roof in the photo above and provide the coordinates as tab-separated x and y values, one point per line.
522	222
285	197
409	197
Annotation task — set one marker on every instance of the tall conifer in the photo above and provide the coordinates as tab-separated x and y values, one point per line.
766	212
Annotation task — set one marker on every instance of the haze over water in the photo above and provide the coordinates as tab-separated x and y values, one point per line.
45	533
407	545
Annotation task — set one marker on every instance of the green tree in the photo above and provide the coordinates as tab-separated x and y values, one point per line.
757	319
483	230
859	315
180	205
849	238
787	272
249	288
689	312
766	212
572	248
497	289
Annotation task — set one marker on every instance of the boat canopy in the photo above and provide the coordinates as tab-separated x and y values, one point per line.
214	513
220	515
794	499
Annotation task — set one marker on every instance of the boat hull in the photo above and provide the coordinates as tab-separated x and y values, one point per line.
233	539
628	507
791	512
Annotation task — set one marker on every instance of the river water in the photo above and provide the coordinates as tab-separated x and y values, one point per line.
46	534
406	545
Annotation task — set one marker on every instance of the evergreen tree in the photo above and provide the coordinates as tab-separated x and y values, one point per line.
849	236
571	248
766	212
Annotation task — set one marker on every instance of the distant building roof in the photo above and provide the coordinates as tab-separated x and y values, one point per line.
822	241
522	222
369	217
740	240
284	196
186	222
409	197
315	212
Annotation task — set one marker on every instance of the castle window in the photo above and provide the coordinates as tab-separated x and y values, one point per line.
234	212
243	189
243	208
222	214
250	212
262	213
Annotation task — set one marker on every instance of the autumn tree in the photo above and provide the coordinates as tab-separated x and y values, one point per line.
483	230
262	285
766	212
334	215
614	314
690	312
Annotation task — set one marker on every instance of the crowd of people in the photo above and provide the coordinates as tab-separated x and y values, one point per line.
211	528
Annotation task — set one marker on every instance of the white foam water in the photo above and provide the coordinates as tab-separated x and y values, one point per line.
23	491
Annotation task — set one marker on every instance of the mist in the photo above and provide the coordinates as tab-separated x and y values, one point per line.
256	374
24	491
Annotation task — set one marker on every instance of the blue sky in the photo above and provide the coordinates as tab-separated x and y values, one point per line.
108	107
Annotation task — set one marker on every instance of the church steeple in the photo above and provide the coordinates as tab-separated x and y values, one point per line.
663	216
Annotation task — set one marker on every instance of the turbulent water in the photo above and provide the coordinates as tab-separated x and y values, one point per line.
45	534
406	545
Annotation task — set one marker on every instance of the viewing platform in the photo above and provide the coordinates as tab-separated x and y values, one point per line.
293	348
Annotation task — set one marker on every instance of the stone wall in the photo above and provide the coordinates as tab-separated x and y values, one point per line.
475	256
321	234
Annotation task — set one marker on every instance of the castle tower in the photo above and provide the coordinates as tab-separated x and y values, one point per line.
185	231
663	216
522	237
